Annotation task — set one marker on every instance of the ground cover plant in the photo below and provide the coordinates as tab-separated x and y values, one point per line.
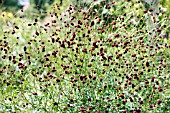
89	58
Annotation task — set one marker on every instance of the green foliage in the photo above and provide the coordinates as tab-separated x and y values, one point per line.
81	61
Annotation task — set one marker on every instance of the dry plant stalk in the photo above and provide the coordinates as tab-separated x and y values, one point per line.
151	17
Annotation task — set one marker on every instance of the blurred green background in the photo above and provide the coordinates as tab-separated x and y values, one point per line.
45	5
13	3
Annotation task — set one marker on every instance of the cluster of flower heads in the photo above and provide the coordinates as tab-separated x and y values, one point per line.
80	63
